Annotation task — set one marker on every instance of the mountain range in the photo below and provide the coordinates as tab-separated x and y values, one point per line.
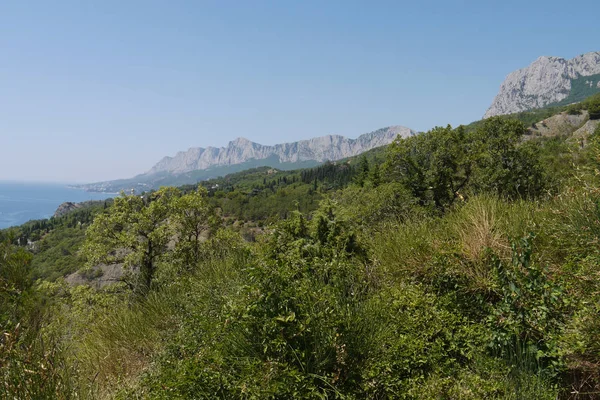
548	81
197	163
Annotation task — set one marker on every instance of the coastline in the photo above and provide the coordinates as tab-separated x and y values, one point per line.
21	202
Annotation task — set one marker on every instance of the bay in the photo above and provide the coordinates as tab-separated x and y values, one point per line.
24	201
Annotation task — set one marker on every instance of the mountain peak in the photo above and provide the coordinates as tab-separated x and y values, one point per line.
546	81
240	141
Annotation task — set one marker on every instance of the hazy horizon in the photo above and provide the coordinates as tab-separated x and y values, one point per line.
101	91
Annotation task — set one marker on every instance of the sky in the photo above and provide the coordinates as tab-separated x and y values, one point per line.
100	90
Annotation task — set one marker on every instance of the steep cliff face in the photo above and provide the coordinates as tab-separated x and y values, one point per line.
331	147
546	81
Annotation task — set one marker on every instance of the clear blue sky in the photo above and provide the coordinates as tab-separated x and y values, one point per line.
95	90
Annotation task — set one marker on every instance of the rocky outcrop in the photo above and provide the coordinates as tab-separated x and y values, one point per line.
559	125
66	208
586	130
331	147
546	81
98	277
578	128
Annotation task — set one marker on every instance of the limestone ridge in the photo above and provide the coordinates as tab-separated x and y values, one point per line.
546	81
331	147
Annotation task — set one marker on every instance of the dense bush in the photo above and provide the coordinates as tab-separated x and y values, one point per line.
502	164
530	313
445	164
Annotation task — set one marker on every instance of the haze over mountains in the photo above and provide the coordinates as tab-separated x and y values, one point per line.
320	149
548	81
203	163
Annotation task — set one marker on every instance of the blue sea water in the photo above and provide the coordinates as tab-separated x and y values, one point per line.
21	202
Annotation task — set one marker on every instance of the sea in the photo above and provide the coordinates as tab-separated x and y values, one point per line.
21	202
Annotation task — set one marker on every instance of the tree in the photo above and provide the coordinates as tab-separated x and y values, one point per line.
375	176
134	233
594	111
194	218
504	165
15	267
593	106
434	166
363	171
444	164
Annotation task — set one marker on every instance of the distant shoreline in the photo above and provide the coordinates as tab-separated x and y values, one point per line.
91	190
24	201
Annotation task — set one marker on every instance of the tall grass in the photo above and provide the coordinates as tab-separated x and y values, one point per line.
118	347
34	368
457	244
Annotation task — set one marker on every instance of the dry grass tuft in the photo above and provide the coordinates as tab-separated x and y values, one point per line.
478	231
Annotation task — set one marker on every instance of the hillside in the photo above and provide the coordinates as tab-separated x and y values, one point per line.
457	263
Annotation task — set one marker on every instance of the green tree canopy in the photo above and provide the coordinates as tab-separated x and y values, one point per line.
134	233
434	166
444	164
503	163
194	219
15	265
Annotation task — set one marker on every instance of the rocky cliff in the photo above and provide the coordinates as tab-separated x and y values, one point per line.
240	150
197	164
66	208
546	81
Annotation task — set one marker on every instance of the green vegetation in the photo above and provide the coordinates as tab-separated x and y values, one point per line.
581	89
143	183
591	104
461	263
447	164
55	242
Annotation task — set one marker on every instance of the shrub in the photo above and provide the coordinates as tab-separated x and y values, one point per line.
34	368
369	208
502	164
528	319
420	339
435	166
594	109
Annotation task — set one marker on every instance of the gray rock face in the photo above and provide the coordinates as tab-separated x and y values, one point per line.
331	147
547	80
587	129
66	208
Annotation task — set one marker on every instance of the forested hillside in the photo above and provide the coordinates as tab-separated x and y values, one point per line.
460	263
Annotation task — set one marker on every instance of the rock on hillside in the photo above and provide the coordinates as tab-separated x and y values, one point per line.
331	147
66	208
546	81
586	130
559	124
98	277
